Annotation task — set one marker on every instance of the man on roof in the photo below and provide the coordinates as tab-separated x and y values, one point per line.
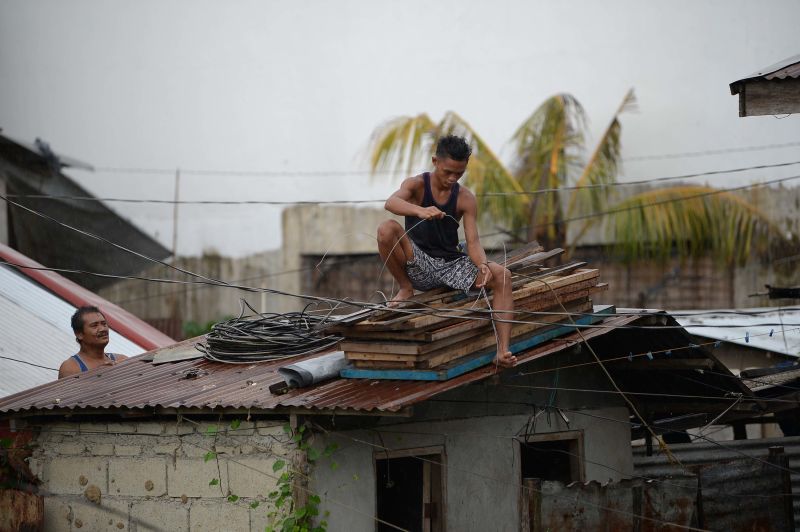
424	255
91	333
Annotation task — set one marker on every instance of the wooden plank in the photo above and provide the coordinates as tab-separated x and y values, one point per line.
415	325
472	362
517	253
388	357
434	354
535	287
518	332
535	258
444	296
383	364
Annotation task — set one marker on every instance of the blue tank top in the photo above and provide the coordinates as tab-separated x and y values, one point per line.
437	238
83	366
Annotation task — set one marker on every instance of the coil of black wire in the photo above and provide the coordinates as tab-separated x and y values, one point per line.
267	337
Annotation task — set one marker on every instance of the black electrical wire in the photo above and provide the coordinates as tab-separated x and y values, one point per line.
267	337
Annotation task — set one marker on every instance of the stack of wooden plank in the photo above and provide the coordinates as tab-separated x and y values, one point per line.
441	328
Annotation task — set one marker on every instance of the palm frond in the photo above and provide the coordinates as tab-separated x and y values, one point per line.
691	220
554	130
547	145
603	164
401	144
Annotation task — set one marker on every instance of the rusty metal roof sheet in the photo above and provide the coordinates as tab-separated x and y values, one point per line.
138	384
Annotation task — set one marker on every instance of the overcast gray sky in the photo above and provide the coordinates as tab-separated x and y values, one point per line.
298	86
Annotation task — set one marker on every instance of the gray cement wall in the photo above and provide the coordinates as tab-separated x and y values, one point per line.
482	471
158	302
152	476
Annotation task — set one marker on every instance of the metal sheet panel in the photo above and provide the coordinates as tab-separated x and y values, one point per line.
751	330
36	328
730	465
625	505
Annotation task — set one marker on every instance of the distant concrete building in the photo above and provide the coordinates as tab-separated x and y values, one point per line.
31	177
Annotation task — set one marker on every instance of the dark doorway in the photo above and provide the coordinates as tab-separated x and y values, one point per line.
551	457
410	492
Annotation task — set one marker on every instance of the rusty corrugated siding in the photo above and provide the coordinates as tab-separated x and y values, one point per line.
740	491
137	384
645	506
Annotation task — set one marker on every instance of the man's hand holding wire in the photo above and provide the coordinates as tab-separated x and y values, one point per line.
430	213
484	275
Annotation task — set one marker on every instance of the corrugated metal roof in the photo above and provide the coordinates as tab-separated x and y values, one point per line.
788	68
138	384
36	329
747	327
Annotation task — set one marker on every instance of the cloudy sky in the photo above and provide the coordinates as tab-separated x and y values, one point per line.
291	90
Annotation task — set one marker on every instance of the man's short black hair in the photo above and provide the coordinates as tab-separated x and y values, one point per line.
77	318
453	147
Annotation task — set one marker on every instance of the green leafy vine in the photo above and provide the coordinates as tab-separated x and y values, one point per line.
287	515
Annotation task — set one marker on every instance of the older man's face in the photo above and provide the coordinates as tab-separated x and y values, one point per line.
95	330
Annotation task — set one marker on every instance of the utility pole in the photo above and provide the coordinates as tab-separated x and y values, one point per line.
175	214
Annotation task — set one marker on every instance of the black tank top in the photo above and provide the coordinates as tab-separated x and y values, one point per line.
437	238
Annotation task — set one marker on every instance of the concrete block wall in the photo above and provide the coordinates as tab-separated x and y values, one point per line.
153	476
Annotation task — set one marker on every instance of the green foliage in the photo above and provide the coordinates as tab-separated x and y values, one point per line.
192	329
286	516
693	219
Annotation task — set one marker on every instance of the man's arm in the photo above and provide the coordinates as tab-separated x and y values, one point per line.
469	213
402	202
68	367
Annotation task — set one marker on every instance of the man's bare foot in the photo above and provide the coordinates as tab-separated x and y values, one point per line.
507	360
402	295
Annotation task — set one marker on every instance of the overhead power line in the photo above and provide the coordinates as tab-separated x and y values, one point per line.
704	153
213	281
328	173
381	200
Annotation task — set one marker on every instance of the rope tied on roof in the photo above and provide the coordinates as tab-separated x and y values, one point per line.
267	337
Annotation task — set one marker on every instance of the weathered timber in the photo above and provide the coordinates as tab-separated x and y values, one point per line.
435	353
535	286
475	360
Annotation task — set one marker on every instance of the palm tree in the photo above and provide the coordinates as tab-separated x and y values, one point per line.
528	196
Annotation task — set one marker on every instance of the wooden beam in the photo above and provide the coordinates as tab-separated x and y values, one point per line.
760	97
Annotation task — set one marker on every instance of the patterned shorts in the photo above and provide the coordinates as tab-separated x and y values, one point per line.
427	273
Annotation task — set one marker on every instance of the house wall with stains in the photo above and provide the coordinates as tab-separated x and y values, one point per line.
482	477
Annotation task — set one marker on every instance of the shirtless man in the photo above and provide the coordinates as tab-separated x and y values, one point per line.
424	254
91	333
